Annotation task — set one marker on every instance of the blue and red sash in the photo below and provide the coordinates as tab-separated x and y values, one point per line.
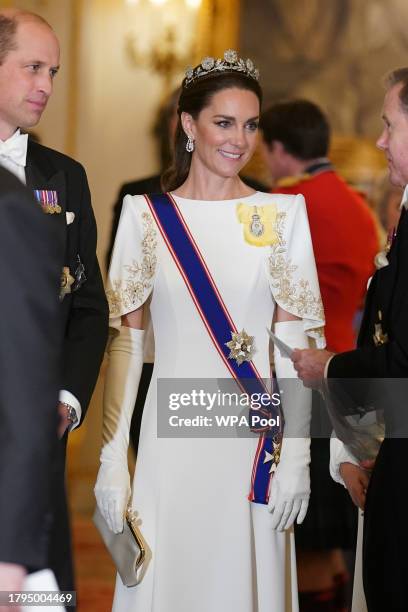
219	325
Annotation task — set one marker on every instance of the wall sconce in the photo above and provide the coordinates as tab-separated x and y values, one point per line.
170	47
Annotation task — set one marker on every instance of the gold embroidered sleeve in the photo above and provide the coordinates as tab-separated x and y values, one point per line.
293	289
130	289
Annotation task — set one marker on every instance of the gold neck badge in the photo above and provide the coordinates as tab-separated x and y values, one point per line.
258	223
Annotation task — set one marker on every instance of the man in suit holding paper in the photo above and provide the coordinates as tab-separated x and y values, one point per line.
381	361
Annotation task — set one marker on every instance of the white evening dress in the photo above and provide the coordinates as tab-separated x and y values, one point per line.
210	549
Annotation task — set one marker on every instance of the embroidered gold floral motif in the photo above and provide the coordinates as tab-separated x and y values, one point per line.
128	293
295	295
258	223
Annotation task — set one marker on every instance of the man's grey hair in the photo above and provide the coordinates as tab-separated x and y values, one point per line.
399	76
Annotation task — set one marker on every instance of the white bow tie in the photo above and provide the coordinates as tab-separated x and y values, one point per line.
15	148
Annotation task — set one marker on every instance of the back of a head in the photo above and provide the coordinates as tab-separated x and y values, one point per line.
300	125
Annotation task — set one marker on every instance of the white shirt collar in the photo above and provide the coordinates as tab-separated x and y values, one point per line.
15	162
15	136
15	148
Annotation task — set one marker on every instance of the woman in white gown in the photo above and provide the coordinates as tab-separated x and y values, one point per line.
210	548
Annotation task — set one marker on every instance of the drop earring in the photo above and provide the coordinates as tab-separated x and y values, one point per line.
190	144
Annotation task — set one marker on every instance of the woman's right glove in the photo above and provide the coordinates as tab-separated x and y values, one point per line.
290	485
112	489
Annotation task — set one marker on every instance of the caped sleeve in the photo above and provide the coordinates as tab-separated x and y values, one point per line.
291	267
134	260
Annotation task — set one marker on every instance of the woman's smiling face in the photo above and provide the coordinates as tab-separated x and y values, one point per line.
225	132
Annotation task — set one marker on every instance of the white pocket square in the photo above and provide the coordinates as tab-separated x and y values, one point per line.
70	217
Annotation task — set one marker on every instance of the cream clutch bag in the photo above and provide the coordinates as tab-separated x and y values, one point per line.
127	549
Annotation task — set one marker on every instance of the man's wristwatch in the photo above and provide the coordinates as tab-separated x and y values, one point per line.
71	413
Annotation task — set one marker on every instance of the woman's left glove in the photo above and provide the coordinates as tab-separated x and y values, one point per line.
290	485
112	489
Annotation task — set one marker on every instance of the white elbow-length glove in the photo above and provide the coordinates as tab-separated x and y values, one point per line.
290	485
112	489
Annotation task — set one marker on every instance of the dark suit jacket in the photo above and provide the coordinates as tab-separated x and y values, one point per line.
29	372
84	312
385	540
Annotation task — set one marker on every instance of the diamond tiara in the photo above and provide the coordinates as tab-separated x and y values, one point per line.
230	63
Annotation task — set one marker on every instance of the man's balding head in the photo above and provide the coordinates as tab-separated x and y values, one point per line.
29	60
9	22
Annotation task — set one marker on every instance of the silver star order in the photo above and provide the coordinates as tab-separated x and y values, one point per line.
241	347
273	457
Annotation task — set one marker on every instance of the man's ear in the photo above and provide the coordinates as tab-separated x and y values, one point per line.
187	123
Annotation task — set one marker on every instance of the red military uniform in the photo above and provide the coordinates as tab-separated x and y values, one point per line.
345	242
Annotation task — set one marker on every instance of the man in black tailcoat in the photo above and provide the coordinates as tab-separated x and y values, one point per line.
380	363
29	61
